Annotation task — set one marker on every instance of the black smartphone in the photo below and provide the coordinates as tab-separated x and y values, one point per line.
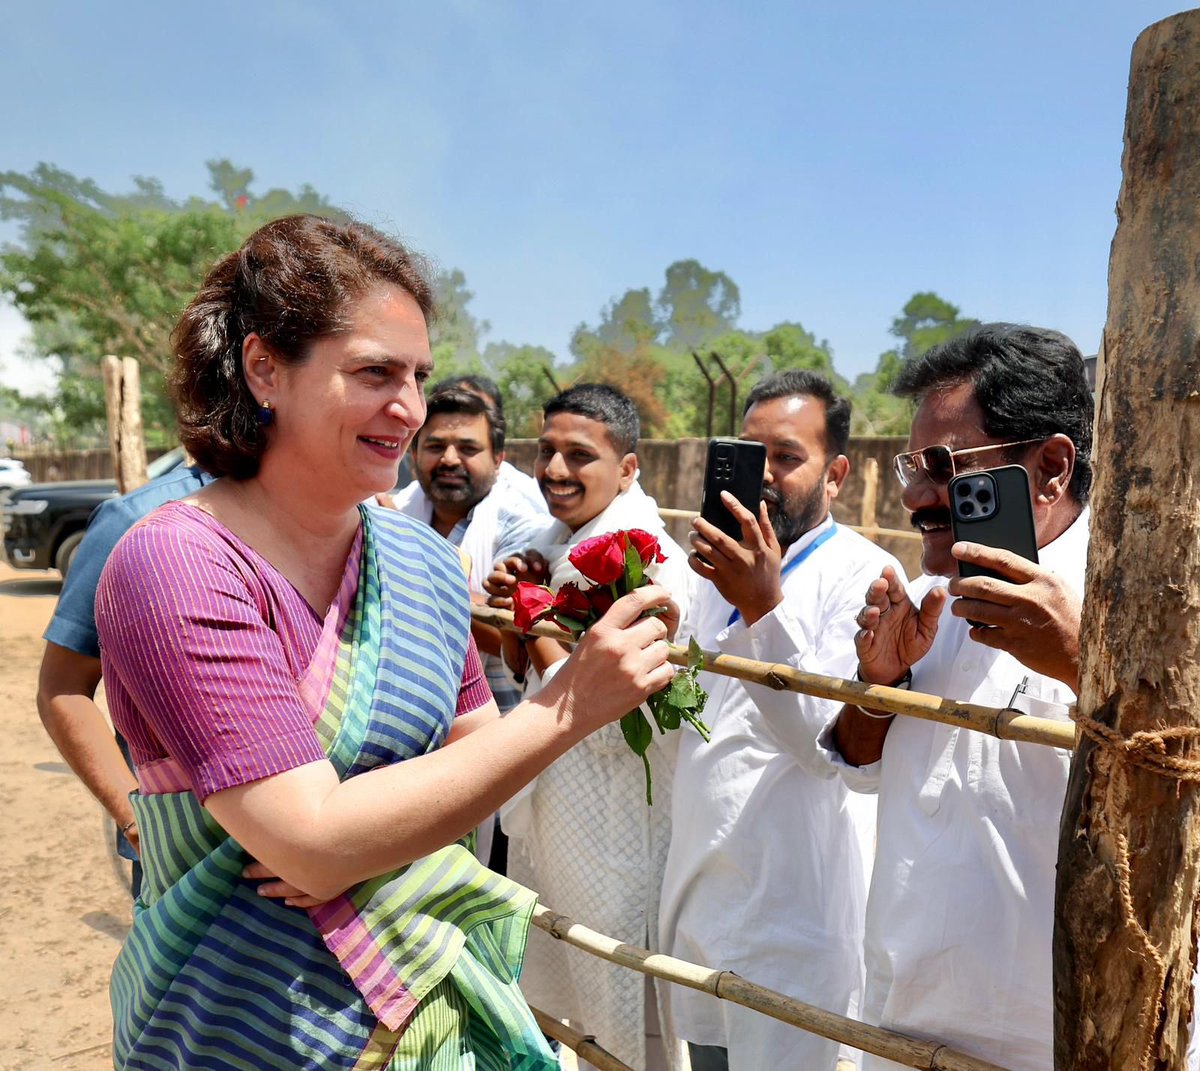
736	466
992	507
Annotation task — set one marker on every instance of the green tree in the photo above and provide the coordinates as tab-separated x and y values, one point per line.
520	373
926	320
456	333
696	305
95	273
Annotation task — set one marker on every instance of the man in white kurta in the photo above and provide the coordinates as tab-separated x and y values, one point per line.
581	834
765	872
960	912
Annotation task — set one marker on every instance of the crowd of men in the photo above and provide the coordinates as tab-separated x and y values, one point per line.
763	853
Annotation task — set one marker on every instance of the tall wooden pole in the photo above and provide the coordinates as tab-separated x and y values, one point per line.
123	403
870	495
1129	848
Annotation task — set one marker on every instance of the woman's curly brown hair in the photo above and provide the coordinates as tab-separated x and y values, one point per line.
293	282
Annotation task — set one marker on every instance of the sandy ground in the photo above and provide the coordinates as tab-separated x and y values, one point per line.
63	912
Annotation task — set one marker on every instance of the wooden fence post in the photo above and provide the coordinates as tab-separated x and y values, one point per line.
123	402
1129	848
870	495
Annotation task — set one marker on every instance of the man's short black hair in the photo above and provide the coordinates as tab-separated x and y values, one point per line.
802	381
468	403
598	401
476	384
1030	382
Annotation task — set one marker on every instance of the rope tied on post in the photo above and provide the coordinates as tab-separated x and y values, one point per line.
1146	749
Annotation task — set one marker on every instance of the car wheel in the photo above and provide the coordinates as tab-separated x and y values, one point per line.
66	552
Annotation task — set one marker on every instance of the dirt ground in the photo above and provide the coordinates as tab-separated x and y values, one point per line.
63	911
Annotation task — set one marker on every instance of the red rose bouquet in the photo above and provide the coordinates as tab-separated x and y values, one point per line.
616	564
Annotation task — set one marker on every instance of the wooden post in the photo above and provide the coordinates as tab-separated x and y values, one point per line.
1129	848
123	402
870	495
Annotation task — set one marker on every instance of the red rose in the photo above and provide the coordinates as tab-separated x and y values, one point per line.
646	546
531	602
572	602
601	599
601	559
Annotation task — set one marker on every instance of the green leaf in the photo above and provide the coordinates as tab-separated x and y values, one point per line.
638	735
695	654
634	570
569	623
637	731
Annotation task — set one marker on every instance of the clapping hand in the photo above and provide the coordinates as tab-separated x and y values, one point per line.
894	634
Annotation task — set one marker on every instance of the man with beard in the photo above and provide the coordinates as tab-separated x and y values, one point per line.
457	459
765	874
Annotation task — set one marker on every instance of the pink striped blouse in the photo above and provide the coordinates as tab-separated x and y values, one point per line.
204	644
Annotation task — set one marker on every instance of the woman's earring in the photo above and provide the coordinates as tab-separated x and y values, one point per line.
265	413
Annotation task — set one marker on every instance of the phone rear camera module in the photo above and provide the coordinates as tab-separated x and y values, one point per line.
975	497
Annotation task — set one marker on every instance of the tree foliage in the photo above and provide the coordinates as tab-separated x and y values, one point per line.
96	272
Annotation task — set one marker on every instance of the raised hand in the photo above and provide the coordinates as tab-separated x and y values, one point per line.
894	634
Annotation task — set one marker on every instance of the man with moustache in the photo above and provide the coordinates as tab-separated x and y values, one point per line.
765	875
960	912
581	833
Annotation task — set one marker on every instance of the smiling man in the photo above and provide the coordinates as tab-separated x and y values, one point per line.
761	827
960	912
581	834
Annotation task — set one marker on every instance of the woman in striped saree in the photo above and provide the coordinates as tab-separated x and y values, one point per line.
307	712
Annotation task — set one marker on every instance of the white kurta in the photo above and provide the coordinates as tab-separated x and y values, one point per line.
765	872
582	836
961	906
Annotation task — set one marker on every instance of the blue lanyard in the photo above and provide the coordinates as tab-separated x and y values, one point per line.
803	556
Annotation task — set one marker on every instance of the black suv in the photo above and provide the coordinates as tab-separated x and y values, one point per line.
44	522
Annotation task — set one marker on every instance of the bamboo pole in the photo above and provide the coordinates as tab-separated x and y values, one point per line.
725	985
1003	723
1129	845
583	1045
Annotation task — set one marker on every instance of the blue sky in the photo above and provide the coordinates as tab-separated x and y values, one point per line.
831	158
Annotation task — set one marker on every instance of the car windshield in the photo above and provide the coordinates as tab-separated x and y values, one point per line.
170	460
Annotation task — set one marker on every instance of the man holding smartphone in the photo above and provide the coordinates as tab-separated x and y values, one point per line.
764	875
960	913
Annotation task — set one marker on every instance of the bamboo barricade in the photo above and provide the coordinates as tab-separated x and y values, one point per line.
725	985
581	1044
1002	723
868	530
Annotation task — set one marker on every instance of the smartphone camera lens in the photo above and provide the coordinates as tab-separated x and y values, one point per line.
984	496
966	508
964	490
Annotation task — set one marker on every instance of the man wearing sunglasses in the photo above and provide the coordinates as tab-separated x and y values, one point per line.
960	911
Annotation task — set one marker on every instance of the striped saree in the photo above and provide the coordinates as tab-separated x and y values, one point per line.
413	969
